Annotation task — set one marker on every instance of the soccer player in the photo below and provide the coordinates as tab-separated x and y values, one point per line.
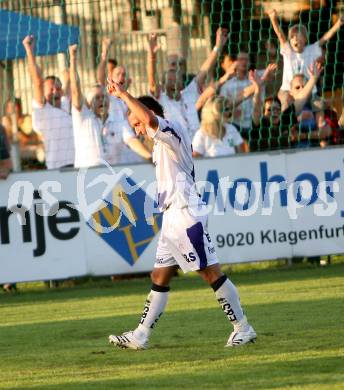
184	240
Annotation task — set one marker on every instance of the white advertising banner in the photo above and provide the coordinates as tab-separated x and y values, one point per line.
101	221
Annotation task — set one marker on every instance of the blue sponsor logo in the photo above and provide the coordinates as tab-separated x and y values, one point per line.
121	221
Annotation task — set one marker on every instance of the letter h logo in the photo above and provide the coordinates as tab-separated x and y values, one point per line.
122	224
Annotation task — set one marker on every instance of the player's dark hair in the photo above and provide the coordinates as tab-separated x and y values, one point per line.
152	104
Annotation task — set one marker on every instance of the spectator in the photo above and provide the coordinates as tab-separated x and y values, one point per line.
97	136
177	63
331	118
297	56
312	124
242	95
242	116
134	150
14	106
51	113
5	169
179	102
217	137
214	87
5	160
278	128
226	62
89	119
29	142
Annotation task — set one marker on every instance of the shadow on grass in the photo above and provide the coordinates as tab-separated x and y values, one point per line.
142	285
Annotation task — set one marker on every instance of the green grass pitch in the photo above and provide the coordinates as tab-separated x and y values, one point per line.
57	339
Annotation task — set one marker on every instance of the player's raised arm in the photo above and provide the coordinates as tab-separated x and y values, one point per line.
330	33
277	28
34	70
153	82
209	63
101	70
142	113
74	79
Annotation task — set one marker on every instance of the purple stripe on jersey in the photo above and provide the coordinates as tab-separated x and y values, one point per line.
193	172
162	198
195	234
166	129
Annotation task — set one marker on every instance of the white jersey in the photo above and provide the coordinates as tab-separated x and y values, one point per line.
172	156
296	63
55	125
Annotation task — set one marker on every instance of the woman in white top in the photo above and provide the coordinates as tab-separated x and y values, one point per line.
217	137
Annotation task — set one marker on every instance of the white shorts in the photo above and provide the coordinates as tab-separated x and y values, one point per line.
184	241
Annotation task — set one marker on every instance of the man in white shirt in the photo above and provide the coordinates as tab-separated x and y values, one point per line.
98	136
133	151
179	103
50	113
242	116
184	240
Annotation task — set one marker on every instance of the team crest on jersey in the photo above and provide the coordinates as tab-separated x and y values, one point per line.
121	221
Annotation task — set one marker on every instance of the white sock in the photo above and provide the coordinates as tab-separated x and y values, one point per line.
228	297
154	307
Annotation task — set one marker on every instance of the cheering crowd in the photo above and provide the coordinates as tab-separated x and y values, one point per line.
225	111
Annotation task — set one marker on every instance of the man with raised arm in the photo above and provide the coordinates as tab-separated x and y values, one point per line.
242	116
106	65
97	135
179	102
184	240
50	113
134	150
